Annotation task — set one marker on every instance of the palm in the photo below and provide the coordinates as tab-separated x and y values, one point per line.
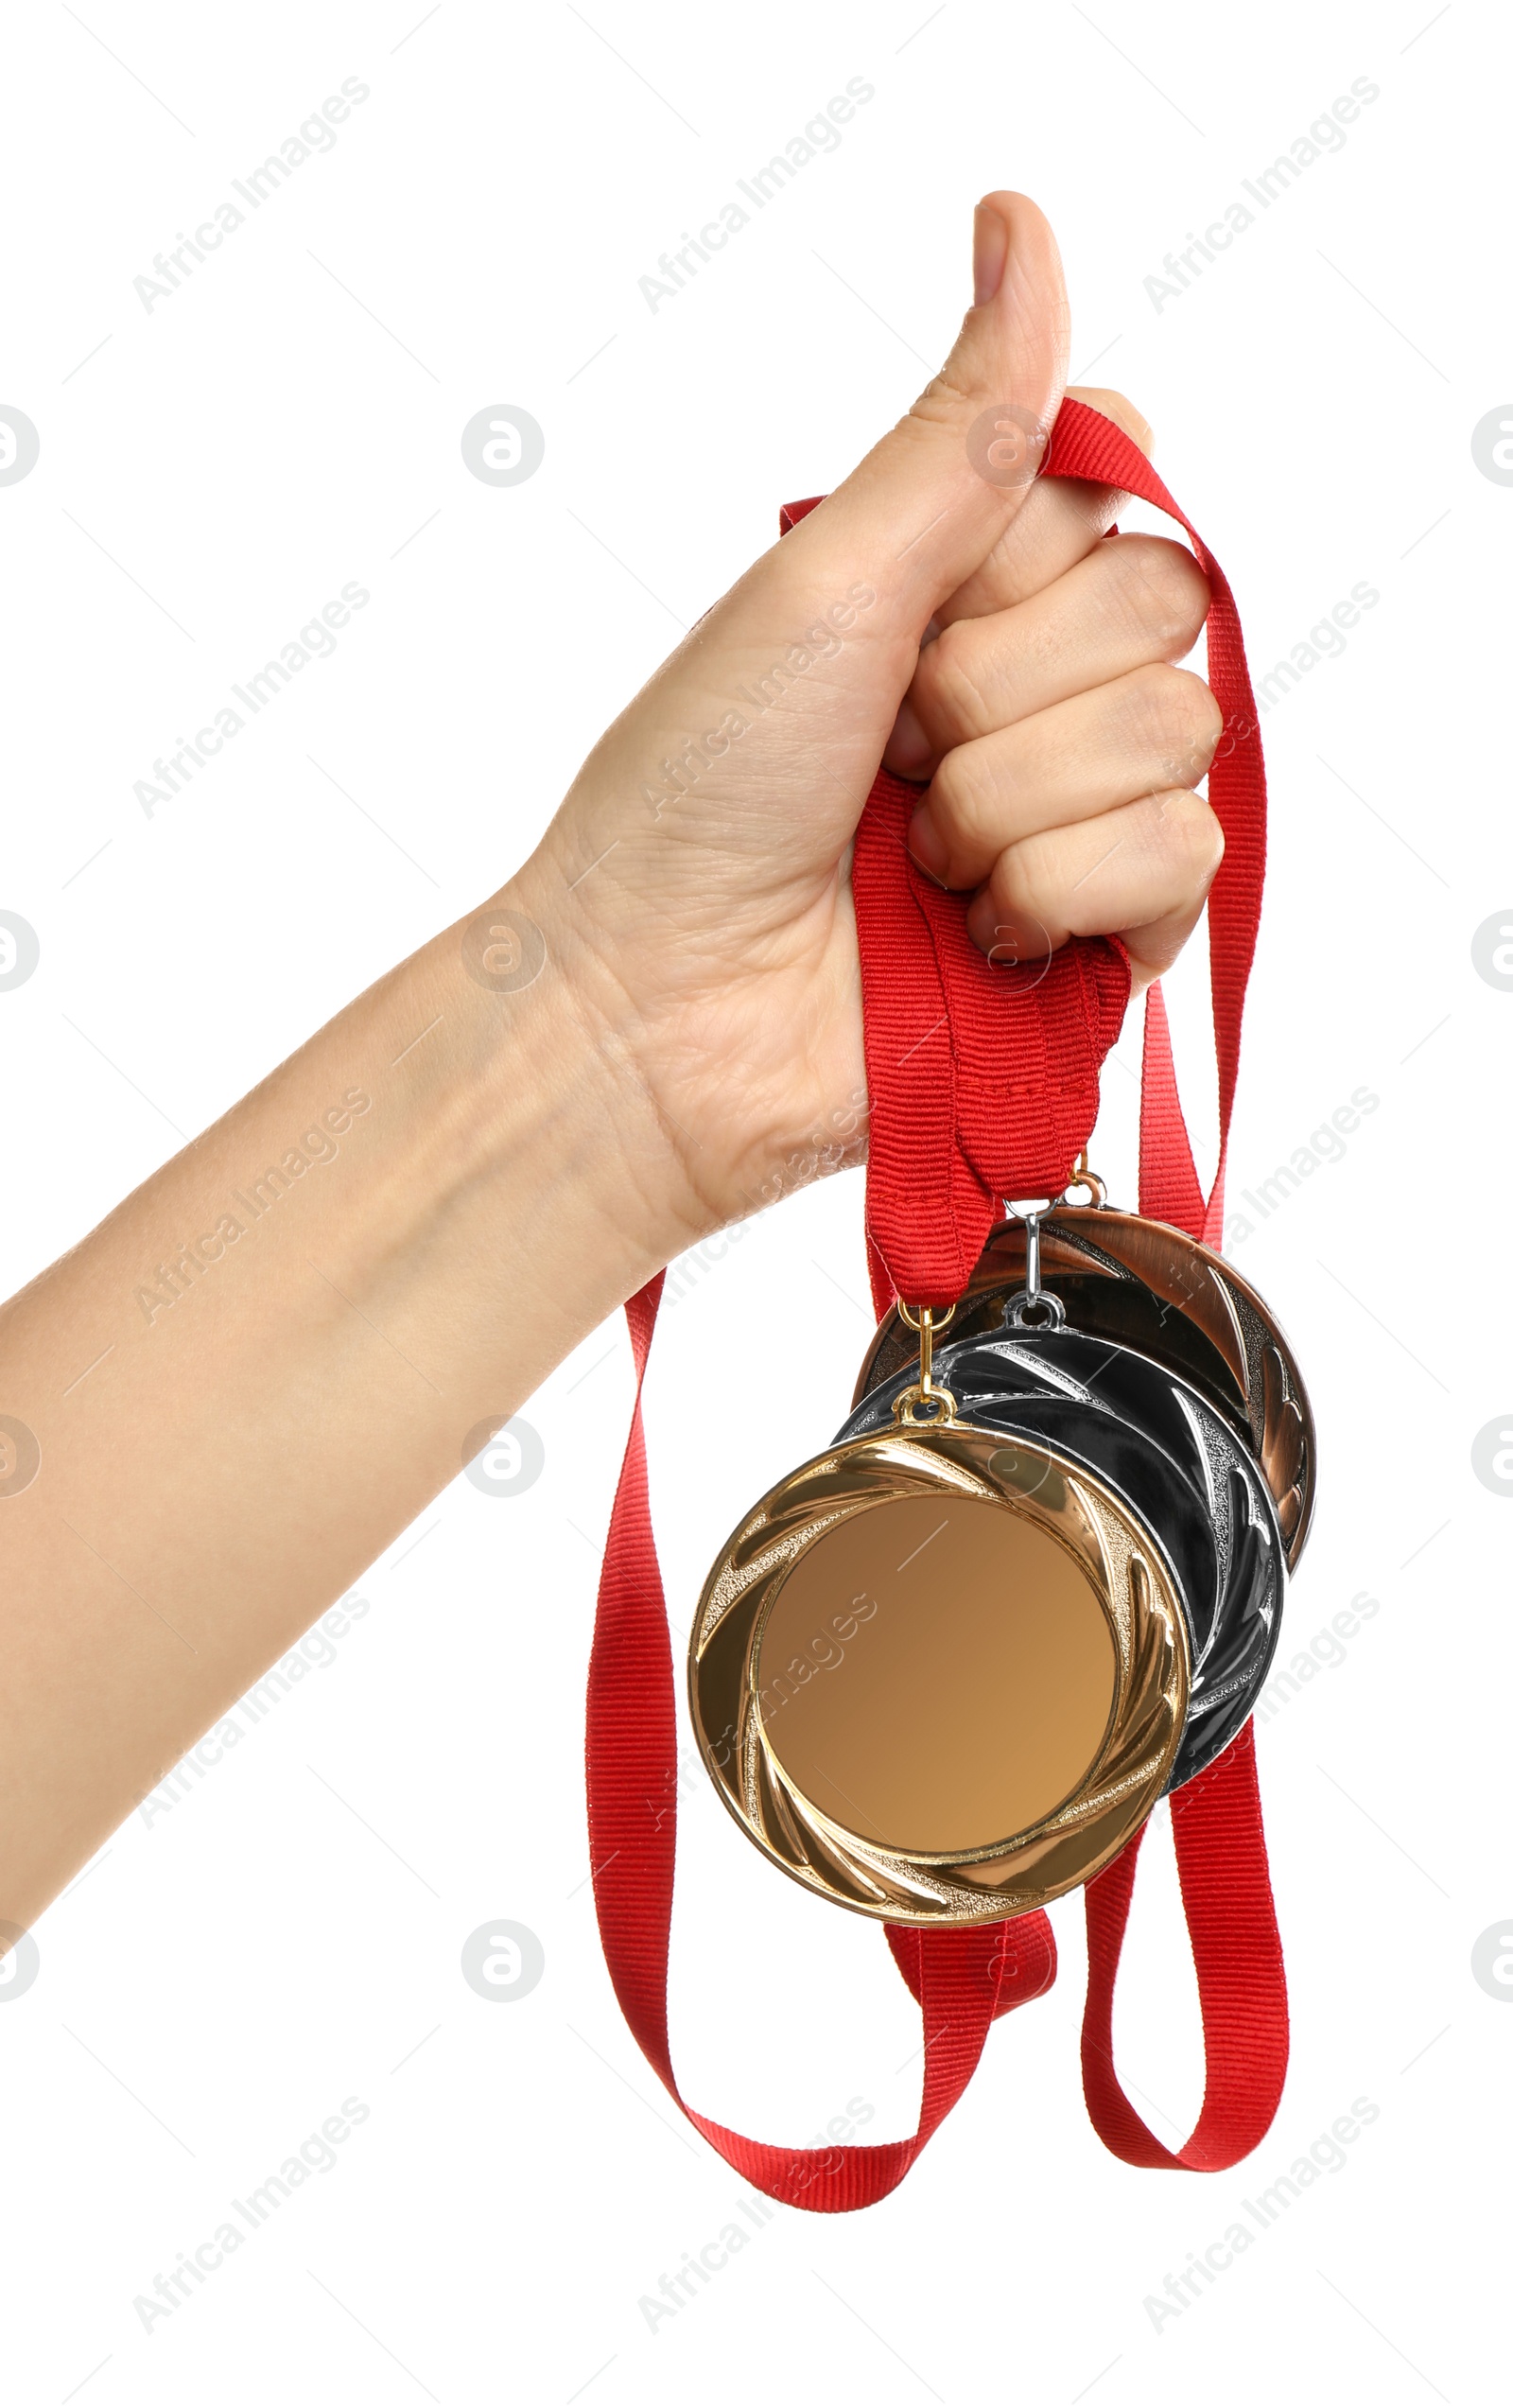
724	899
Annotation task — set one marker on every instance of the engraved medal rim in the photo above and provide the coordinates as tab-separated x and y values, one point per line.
1117	1790
1088	1219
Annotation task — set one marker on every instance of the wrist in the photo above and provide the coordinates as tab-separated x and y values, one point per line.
562	1093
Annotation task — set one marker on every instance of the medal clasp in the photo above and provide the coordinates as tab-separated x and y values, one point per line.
1032	1307
939	1402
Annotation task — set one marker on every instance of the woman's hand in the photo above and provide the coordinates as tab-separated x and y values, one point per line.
229	1398
981	637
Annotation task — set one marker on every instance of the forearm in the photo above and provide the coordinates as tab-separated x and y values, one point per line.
258	1369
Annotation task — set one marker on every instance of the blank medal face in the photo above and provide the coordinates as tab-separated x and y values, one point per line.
935	1673
938	1677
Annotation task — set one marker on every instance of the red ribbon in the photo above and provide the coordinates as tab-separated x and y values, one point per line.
962	1979
983	1083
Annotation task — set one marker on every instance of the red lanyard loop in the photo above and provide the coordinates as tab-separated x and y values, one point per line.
982	1086
962	1979
1216	1821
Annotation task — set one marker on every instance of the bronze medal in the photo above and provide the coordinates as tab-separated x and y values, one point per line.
1153	1288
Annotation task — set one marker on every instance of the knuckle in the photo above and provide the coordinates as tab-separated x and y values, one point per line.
953	700
943	398
962	795
1024	881
1189	837
1164	590
1174	719
948	402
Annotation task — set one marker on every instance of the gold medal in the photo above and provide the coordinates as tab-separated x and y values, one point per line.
943	1672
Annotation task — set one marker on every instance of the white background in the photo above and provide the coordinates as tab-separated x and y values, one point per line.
211	472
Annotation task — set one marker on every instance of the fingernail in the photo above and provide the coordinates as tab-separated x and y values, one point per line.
924	842
990	249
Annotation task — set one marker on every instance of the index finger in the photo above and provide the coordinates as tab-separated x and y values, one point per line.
1060	520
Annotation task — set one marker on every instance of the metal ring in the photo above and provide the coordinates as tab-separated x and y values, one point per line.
916	1394
1018	1306
938	1321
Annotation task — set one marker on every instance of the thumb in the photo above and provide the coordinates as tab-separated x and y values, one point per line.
928	503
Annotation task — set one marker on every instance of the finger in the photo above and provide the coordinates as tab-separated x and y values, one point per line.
1153	949
1061	519
1133	599
817	642
928	503
1148	861
1140	734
